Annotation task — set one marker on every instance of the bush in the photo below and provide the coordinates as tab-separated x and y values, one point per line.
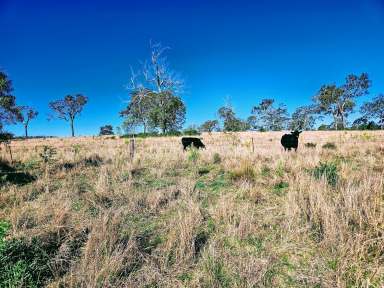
310	145
329	145
191	131
245	171
216	158
328	171
193	154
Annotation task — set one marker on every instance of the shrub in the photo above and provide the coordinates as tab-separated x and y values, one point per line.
280	188
193	154
48	154
245	171
310	145
329	145
191	131
328	171
216	158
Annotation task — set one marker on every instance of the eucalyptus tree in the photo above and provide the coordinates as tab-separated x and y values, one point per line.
209	126
69	108
231	123
374	109
154	95
28	114
339	101
304	118
10	112
268	117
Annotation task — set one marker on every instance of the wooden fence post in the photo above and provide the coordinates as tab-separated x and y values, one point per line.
253	146
132	148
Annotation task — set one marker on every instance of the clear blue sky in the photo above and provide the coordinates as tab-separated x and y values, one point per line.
245	50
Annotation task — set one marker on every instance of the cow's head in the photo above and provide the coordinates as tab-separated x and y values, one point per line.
296	133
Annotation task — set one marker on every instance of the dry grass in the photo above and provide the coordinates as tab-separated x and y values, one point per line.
221	217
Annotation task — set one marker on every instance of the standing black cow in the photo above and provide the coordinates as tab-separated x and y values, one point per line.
189	141
290	141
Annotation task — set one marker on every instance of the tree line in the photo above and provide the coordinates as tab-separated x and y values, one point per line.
338	102
155	105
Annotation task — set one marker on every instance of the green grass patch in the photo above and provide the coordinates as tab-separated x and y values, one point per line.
327	170
280	188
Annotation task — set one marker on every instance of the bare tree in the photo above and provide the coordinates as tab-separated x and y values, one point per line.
157	72
68	108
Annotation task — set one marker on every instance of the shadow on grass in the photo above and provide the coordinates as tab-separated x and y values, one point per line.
11	175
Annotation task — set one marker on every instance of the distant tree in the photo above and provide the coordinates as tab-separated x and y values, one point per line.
340	101
253	123
303	118
68	108
209	126
230	122
168	112
28	114
363	123
268	117
374	109
10	113
154	95
191	130
106	130
324	127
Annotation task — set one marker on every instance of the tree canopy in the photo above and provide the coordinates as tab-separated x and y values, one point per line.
269	118
10	113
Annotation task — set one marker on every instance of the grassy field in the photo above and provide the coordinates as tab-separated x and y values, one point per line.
242	213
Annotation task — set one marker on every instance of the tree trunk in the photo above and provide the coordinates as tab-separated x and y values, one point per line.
26	131
343	121
72	129
335	120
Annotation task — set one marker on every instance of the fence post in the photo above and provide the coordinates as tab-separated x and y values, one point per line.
253	146
132	148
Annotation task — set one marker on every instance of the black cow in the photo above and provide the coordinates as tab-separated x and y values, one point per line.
189	141
290	141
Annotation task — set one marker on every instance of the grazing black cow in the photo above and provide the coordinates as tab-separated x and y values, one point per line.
290	141
189	141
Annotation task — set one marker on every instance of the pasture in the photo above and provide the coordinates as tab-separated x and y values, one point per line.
240	213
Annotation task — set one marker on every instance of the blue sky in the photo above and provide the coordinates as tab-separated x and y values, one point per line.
244	50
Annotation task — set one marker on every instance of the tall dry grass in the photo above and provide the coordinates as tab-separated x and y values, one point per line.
241	213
